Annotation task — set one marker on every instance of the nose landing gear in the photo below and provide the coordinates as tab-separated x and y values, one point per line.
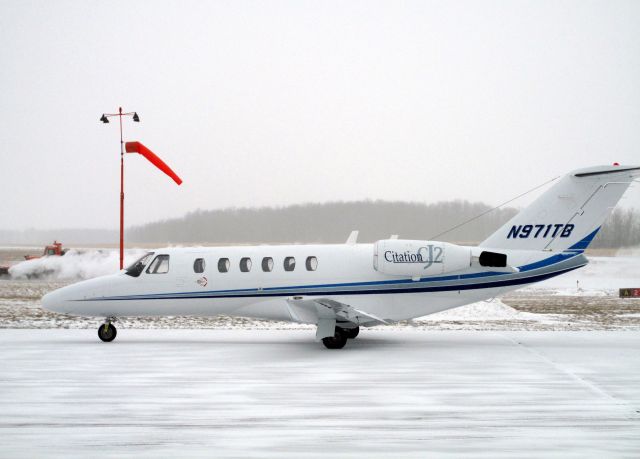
107	332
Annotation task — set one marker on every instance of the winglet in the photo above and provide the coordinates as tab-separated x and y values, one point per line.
353	237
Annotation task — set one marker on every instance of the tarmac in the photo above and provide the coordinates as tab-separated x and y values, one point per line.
277	393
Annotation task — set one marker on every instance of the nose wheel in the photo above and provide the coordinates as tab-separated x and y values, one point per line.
107	332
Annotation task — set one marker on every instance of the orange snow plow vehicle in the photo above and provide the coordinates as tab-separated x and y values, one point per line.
53	250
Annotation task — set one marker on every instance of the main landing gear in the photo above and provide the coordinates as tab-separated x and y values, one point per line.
107	331
340	337
350	333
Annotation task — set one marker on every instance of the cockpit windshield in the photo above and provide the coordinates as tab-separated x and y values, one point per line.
136	268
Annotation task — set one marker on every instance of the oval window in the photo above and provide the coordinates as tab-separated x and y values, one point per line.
198	265
223	265
267	264
245	265
312	263
289	264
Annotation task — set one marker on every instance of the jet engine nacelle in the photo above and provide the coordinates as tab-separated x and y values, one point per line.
419	258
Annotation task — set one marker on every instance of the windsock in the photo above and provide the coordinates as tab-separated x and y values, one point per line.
137	147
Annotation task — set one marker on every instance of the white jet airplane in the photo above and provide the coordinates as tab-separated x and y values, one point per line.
342	287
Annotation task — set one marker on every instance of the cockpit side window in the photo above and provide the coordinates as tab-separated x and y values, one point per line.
159	265
135	269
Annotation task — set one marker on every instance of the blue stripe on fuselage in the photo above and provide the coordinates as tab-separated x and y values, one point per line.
356	288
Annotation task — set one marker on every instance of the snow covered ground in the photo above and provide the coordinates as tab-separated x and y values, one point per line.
602	276
269	393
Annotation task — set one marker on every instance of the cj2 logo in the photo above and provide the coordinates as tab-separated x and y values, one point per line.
542	231
428	255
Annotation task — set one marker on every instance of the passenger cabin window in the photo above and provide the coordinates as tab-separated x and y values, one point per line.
223	265
267	264
245	265
159	265
135	269
312	263
289	264
198	265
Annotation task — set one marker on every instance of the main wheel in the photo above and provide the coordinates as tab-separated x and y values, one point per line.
107	332
337	341
350	333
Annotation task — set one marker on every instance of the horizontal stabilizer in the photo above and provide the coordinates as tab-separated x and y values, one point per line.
632	170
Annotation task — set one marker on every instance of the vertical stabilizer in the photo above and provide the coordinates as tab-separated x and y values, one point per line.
569	214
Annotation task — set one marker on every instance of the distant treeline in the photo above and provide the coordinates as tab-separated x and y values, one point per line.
332	222
326	223
622	229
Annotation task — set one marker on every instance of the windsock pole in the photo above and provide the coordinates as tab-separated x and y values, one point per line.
121	193
105	119
134	147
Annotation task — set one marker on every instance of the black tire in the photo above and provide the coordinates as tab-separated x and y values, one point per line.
107	332
350	333
337	341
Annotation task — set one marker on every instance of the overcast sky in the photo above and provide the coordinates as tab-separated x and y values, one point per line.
273	103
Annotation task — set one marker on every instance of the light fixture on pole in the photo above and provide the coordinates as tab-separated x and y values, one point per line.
105	119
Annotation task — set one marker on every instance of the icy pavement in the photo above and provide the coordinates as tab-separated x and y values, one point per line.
269	393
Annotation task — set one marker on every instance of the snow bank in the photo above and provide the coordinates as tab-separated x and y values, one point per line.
629	252
601	276
482	310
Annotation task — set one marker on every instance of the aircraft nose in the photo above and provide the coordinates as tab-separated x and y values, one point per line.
54	301
69	299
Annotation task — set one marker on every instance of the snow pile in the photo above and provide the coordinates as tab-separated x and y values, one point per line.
483	311
75	265
629	252
602	276
579	292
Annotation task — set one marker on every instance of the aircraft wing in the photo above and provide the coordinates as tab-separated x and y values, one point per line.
326	312
348	312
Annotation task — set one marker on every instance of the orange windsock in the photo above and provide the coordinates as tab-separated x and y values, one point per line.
137	147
